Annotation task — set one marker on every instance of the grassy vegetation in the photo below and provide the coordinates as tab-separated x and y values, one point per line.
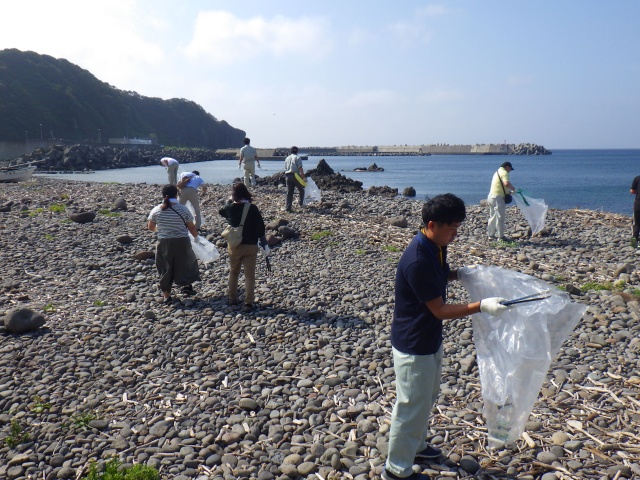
321	235
83	419
108	213
48	236
35	212
16	436
49	308
39	406
390	248
57	207
503	244
596	286
360	251
98	303
113	471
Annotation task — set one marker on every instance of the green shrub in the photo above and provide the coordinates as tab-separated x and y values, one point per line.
390	248
57	207
113	471
16	436
321	235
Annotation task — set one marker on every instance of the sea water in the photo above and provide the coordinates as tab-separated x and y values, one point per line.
587	179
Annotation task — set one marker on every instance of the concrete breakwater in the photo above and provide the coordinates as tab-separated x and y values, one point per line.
303	386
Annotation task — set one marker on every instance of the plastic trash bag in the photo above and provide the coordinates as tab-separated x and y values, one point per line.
193	213
515	349
533	209
205	250
311	192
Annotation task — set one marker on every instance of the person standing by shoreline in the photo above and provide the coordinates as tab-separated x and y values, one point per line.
189	192
293	167
500	186
172	169
416	333
635	188
248	156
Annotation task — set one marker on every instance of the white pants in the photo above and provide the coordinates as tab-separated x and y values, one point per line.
172	173
417	388
249	172
497	208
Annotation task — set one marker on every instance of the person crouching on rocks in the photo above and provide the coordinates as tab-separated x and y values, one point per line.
246	253
175	260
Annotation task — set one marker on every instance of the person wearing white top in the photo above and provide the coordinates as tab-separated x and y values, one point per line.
172	169
189	193
500	186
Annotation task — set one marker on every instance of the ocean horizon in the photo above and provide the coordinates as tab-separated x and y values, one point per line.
586	179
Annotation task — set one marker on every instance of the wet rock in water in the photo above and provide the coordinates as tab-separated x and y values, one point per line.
409	192
23	320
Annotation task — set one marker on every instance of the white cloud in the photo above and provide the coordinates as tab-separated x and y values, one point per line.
103	38
221	37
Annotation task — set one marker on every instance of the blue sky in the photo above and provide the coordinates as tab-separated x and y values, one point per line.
563	74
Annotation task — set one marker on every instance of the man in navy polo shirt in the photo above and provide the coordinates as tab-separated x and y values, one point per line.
416	333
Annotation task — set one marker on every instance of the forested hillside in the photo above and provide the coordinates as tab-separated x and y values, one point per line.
45	97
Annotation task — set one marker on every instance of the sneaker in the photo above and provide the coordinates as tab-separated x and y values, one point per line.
232	302
247	307
429	453
188	290
387	475
505	239
167	301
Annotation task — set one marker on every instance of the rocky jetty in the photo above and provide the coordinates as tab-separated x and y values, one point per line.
530	149
324	176
80	157
303	386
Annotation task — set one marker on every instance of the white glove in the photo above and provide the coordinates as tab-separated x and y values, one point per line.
492	306
464	271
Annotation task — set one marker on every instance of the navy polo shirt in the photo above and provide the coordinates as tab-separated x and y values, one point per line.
420	277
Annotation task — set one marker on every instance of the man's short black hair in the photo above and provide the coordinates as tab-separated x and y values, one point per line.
247	141
445	209
196	172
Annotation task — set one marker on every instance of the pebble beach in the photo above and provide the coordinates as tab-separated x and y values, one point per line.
303	386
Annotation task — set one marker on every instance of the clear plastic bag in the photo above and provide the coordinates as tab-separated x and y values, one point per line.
515	349
533	209
205	250
193	213
311	192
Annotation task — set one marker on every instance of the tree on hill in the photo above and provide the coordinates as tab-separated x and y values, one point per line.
42	95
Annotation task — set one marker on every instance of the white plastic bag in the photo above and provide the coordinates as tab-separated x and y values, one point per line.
205	250
311	192
515	349
533	209
193	213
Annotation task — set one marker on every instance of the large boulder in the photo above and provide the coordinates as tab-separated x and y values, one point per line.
82	217
22	320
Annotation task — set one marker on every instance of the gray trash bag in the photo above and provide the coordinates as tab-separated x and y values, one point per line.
515	349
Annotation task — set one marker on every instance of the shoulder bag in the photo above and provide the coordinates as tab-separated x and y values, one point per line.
507	197
233	235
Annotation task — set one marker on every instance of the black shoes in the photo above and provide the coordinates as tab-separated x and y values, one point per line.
167	301
188	290
429	453
387	475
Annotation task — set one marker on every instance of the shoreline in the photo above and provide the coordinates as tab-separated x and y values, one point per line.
303	385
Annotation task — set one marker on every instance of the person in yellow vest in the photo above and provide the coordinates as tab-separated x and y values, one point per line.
500	186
